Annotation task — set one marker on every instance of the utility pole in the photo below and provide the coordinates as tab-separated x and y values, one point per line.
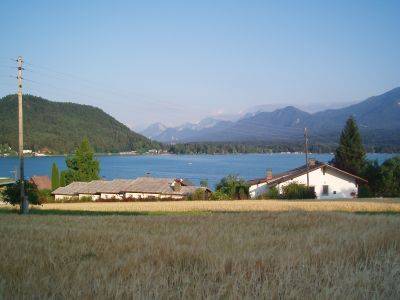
306	152
24	206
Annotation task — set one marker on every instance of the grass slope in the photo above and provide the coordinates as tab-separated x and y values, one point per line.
61	127
239	255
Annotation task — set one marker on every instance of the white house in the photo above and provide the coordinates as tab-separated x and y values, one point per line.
327	181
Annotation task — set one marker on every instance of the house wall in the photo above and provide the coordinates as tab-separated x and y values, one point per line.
257	190
340	183
93	197
62	197
111	196
145	195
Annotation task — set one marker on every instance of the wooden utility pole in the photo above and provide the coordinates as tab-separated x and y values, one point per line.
24	206
306	152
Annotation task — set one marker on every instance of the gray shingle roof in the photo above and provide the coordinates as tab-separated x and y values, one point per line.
73	188
149	185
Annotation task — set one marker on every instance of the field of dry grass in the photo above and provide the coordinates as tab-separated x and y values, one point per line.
362	205
216	255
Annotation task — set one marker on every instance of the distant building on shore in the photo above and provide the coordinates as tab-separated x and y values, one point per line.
327	181
119	189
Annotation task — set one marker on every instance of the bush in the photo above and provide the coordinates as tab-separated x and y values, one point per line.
199	194
219	195
297	191
85	199
234	187
11	194
272	193
45	196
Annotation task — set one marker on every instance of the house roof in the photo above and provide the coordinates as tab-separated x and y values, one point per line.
154	185
42	182
73	188
288	175
149	185
6	181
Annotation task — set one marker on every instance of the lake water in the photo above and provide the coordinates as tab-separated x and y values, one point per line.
192	167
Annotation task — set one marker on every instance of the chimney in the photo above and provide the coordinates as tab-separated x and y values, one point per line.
311	162
269	174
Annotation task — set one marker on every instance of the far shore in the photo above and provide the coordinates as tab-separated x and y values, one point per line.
186	154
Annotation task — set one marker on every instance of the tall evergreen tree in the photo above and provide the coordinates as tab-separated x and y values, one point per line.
350	155
55	177
82	166
62	178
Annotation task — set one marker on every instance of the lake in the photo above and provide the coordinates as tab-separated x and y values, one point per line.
192	167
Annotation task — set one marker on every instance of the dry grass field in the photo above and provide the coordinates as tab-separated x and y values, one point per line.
292	254
360	205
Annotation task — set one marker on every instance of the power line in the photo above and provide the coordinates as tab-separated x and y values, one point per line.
101	86
73	92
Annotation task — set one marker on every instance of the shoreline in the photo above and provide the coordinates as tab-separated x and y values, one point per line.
192	154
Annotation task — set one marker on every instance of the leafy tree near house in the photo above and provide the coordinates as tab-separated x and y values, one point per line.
372	173
390	172
82	166
11	194
383	180
350	155
55	177
234	187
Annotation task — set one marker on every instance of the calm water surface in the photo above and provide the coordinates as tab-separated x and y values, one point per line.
192	167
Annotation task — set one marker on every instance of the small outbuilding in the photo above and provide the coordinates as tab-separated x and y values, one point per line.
327	181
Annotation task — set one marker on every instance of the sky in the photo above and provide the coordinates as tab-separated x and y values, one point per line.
179	61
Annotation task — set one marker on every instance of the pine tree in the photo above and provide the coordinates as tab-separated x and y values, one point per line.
55	177
350	155
82	166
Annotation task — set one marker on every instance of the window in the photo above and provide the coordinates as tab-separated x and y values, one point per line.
325	190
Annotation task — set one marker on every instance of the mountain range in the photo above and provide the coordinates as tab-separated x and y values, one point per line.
378	118
60	127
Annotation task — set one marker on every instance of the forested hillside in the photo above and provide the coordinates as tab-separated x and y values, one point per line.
60	127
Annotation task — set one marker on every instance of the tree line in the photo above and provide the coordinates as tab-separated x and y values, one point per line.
263	147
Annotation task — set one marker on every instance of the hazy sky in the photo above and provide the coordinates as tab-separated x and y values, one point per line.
178	61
